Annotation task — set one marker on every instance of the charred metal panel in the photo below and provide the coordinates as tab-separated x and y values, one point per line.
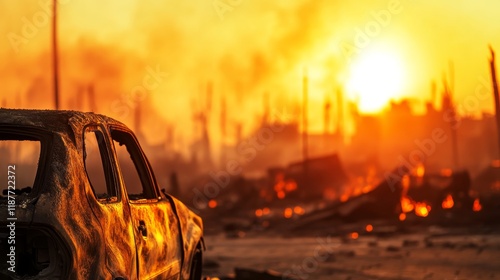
95	240
192	233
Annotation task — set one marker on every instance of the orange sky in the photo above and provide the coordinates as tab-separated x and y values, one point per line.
250	48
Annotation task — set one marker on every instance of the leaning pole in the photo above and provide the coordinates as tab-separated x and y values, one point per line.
496	95
55	63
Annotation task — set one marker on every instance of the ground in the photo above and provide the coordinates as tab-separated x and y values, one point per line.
418	253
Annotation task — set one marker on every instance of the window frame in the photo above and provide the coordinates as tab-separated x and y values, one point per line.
145	171
109	171
45	138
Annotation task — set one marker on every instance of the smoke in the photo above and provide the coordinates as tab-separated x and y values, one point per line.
253	48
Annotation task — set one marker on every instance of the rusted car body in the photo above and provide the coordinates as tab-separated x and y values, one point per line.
93	209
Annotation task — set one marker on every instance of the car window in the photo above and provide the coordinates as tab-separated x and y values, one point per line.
97	165
19	159
134	169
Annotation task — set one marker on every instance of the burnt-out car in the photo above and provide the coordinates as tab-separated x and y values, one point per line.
80	201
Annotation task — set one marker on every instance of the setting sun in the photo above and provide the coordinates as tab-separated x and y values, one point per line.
375	78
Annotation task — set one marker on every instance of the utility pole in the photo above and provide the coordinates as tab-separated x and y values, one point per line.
55	63
448	106
223	131
340	113
454	132
326	115
304	124
495	93
92	102
433	93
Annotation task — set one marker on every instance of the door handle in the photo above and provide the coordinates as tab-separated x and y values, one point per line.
142	228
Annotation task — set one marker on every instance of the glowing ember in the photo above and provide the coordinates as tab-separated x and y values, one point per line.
422	209
288	213
258	212
299	210
496	163
212	204
448	202
476	207
282	186
369	228
266	211
402	216
406	204
354	235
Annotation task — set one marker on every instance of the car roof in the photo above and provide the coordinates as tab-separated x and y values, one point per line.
53	120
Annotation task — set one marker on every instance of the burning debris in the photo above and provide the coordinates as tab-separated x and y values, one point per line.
416	194
284	200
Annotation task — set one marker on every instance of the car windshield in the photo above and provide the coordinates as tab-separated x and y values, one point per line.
19	159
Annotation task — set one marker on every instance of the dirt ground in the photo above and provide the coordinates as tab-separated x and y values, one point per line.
425	253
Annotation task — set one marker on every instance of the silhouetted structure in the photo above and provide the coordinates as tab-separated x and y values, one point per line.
324	174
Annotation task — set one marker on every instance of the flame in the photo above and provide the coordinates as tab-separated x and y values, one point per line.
360	185
282	186
369	228
288	213
212	204
367	189
422	209
402	216
476	207
407	204
448	202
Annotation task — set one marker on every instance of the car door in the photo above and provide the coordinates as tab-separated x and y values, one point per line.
156	230
108	205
